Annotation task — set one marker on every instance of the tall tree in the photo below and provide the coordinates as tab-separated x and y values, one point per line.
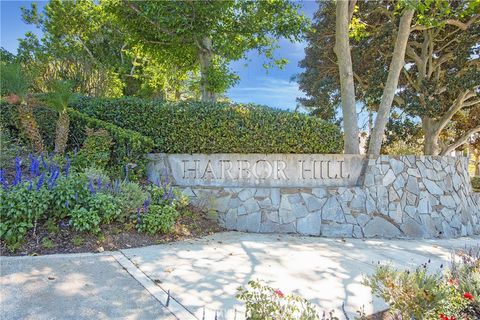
210	34
344	14
390	87
441	53
442	83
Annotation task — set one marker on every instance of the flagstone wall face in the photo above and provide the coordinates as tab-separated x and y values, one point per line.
331	195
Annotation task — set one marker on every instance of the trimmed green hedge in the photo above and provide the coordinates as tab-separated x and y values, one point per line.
129	146
195	127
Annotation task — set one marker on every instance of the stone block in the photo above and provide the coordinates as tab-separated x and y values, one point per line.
388	178
332	211
246	194
447	201
412	228
432	187
310	225
412	185
379	227
319	192
251	206
287	228
231	219
262	193
223	203
336	230
275	196
397	165
294	198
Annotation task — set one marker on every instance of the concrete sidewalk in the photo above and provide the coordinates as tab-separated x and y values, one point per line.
76	286
203	275
328	272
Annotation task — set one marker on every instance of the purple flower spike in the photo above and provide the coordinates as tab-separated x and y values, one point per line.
30	186
99	182
3	181
91	187
67	205
53	177
40	181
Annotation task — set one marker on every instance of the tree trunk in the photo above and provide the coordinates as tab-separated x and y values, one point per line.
29	126
61	133
205	56
347	86
430	128
396	65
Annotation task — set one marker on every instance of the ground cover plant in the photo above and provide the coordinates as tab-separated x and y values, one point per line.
49	190
452	293
263	302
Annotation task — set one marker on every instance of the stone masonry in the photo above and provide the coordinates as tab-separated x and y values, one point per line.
395	197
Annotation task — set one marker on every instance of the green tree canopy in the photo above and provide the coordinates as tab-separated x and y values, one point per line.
209	34
439	82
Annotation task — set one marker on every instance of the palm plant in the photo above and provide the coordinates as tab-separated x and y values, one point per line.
15	85
60	96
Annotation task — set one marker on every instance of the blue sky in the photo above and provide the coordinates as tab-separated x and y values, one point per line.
256	85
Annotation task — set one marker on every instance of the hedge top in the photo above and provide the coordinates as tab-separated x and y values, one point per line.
195	127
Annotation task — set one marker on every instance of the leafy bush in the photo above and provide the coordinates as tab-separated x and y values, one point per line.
85	220
131	197
128	147
49	190
420	294
476	184
195	127
106	205
95	150
266	303
157	218
20	208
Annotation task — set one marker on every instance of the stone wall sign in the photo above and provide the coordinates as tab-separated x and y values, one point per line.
258	170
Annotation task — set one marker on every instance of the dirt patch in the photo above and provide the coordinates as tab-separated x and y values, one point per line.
51	238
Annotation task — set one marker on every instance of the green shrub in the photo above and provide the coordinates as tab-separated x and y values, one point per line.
128	147
95	150
195	127
20	208
266	303
166	195
107	207
422	294
132	197
68	193
85	220
476	184
156	219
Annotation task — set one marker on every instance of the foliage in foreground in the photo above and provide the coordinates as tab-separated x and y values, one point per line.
125	151
194	127
420	294
263	302
51	189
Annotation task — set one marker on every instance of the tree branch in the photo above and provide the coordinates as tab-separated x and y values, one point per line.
461	141
454	108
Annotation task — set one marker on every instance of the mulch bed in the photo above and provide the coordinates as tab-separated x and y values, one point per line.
48	240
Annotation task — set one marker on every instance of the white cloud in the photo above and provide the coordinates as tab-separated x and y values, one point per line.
274	92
